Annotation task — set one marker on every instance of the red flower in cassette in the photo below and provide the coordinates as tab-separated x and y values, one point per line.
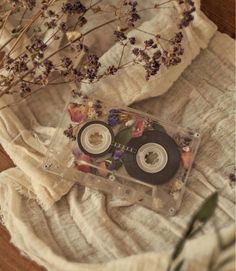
78	113
139	128
82	160
83	163
102	169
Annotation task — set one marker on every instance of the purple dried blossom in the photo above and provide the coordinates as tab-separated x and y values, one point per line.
130	3
69	132
151	67
82	21
92	68
79	76
63	27
73	8
48	66
132	40
37	45
18	65
175	60
144	55
117	154
112	70
29	4
136	51
191	3
93	60
178	50
120	36
51	13
80	46
66	62
8	60
25	89
156	55
51	24
133	15
187	18
149	43
178	38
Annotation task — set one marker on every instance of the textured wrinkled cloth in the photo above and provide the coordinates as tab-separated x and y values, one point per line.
87	230
26	128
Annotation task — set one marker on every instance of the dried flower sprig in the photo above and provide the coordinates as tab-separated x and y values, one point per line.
35	65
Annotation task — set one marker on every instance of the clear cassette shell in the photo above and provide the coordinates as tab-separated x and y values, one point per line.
129	154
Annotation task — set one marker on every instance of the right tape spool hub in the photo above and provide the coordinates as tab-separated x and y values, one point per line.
156	159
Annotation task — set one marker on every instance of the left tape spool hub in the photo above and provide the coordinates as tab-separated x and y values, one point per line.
95	138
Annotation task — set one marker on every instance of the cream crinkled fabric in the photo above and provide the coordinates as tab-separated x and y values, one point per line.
87	230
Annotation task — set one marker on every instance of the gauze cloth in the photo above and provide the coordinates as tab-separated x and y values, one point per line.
87	230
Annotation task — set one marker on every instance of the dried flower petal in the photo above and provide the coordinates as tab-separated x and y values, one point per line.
83	164
77	113
102	169
73	35
139	128
186	158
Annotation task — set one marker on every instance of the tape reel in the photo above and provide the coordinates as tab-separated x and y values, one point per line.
157	158
95	138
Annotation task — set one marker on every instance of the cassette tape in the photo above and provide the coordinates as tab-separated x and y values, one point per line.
129	154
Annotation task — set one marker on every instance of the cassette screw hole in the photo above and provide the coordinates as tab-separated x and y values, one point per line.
112	178
47	166
172	211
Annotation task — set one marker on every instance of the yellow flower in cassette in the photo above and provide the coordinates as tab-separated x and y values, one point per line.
78	113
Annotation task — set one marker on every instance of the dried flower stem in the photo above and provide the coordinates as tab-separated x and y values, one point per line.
57	51
35	65
4	24
27	27
6	43
122	54
22	17
25	97
90	7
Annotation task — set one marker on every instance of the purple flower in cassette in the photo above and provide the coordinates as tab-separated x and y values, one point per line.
117	154
113	117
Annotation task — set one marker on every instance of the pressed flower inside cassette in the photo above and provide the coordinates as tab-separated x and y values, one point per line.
131	154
